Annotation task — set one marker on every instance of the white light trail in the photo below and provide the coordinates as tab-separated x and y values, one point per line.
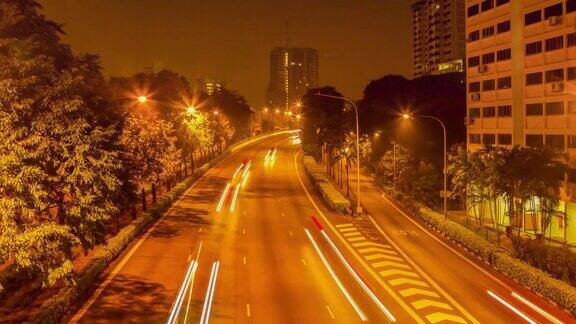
237	170
536	308
246	169
510	307
358	279
188	279
233	204
246	179
338	282
223	197
210	293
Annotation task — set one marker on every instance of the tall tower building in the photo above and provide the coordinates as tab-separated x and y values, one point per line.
521	81
292	72
438	36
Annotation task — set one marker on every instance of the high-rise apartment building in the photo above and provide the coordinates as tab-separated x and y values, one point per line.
438	36
521	75
210	85
292	72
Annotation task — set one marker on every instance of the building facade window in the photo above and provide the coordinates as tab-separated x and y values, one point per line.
488	85
555	141
503	55
533	48
553	11
503	27
571	107
505	139
570	6
474	138
554	108
489	112
555	75
488	58
474	112
473	10
473	61
474	36
474	87
534	78
501	2
489	139
534	109
488	31
571	40
572	141
554	43
487	5
505	111
571	73
534	140
532	17
505	82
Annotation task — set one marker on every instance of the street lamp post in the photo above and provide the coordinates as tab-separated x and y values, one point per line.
358	207
445	191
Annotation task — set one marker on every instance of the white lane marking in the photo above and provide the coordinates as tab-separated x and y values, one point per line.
210	293
330	312
233	204
338	282
175	311
358	279
304	261
244	232
248	312
510	307
223	197
244	259
477	267
536	308
200	230
291	234
283	215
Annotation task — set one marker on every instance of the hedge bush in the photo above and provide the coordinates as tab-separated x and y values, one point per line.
557	291
333	198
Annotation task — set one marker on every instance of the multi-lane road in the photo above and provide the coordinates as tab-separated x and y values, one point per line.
250	242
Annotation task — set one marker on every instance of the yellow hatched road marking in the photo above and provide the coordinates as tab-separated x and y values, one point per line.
348	229
388	257
343	225
371	244
402	281
393	272
391	264
417	291
371	250
380	255
423	303
352	234
356	239
441	317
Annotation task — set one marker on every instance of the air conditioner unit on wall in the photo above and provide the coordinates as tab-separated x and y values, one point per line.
482	68
557	86
475	96
554	20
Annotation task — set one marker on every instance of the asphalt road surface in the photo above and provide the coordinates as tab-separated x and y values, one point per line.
241	246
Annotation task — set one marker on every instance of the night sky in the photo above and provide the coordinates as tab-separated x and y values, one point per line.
357	40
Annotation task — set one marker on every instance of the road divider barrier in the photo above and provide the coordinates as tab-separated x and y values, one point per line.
58	306
331	196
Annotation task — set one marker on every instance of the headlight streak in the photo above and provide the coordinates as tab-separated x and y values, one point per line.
246	169
210	293
353	272
188	282
233	204
246	179
223	197
237	170
338	282
536	308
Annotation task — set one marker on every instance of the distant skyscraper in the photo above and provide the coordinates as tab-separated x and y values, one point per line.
210	85
292	72
438	36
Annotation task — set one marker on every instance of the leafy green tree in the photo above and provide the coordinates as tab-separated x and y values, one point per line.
396	167
222	128
235	107
58	165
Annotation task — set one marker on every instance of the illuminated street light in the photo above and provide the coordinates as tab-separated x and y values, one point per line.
191	110
445	191
289	113
216	112
298	116
298	104
142	99
277	111
265	110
